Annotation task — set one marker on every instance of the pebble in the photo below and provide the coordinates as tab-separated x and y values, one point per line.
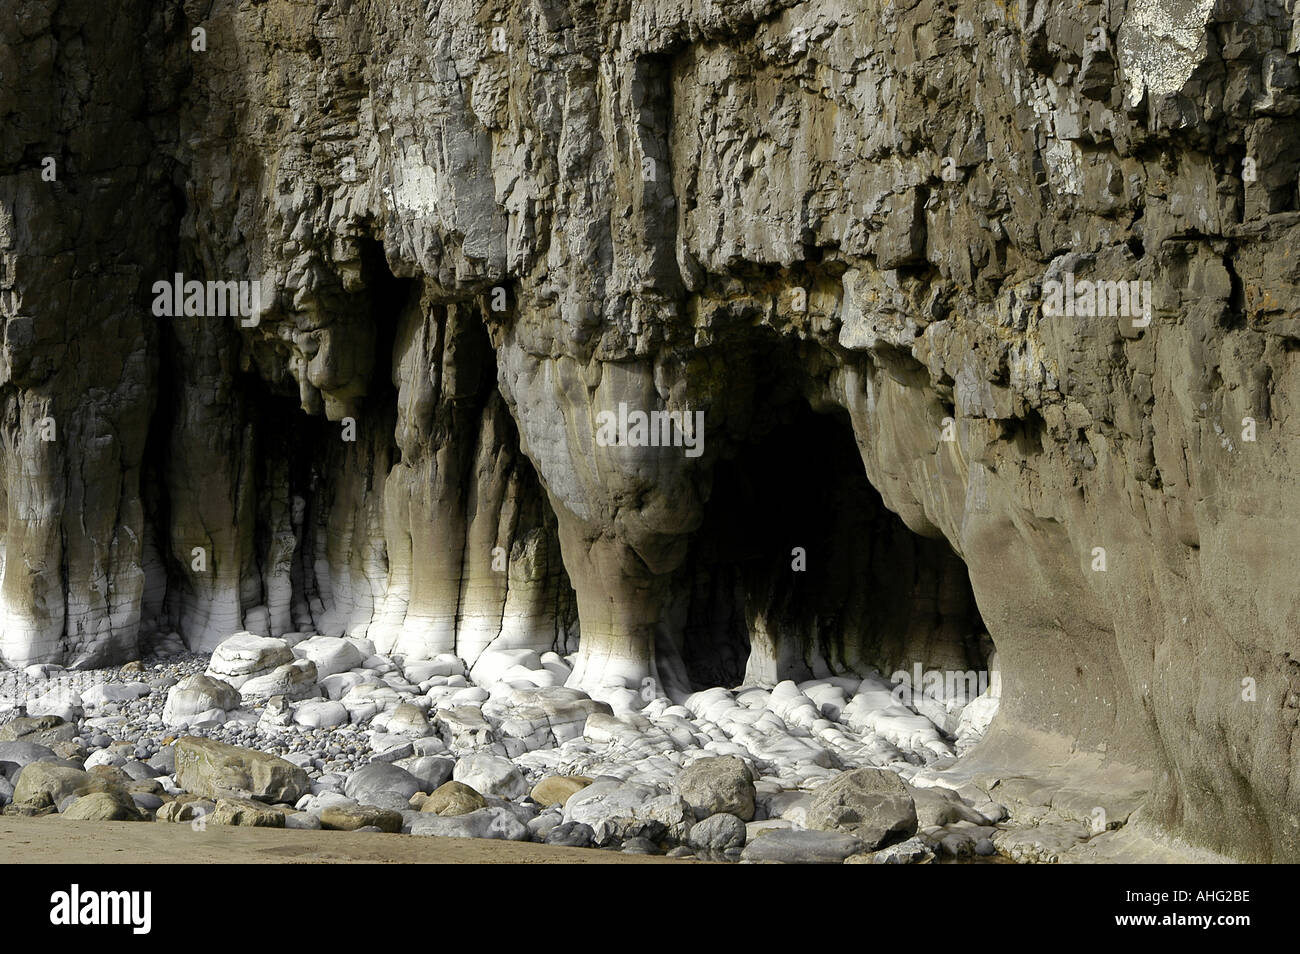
677	778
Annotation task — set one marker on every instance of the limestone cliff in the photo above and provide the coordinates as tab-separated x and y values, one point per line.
832	227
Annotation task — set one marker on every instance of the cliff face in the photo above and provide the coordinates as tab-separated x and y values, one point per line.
834	228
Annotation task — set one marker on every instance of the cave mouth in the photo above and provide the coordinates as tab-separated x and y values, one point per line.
800	571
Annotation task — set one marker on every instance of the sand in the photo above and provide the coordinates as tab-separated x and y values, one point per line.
54	840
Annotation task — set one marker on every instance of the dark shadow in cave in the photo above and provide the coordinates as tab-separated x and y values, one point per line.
872	593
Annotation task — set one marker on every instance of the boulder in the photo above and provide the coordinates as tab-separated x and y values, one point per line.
721	784
247	813
910	852
245	655
789	846
572	835
320	714
185	809
717	833
210	768
104	806
194	697
304	821
44	730
491	775
430	770
42	781
352	817
113	692
611	808
146	802
23	752
294	680
330	654
407	720
557	789
497	823
872	804
369	781
453	798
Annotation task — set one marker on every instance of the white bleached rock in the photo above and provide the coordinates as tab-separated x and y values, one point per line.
464	727
404	719
107	692
320	714
368	700
378	664
444	665
244	655
331	654
198	699
105	757
294	680
339	684
607	804
874	709
490	666
491	775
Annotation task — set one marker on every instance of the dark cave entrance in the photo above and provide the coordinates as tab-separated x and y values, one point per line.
300	508
799	557
340	483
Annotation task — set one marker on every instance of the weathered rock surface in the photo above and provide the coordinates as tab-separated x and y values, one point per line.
557	789
370	781
453	798
787	846
716	785
195	695
245	656
352	817
871	804
247	813
209	768
830	228
104	806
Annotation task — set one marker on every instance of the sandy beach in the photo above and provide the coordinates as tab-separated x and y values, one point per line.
55	840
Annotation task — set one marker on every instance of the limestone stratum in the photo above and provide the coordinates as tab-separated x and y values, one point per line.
833	431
